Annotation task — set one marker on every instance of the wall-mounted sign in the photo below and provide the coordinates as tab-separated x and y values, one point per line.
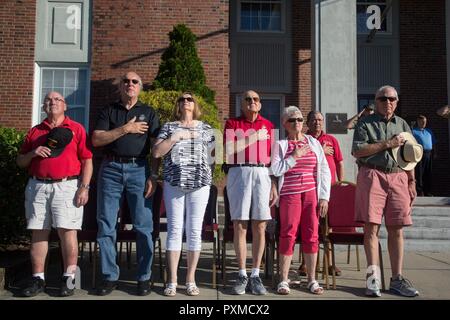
336	123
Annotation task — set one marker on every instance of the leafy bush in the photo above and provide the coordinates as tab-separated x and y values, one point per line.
12	189
164	102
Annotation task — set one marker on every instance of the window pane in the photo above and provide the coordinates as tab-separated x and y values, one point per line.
71	78
276	10
271	111
58	78
260	16
246	10
69	95
47	79
72	84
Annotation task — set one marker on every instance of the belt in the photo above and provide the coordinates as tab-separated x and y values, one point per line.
382	169
248	165
124	159
49	180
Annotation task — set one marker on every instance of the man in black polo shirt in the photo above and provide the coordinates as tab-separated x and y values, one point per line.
125	129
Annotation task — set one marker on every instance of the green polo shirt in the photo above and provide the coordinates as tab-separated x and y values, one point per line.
372	129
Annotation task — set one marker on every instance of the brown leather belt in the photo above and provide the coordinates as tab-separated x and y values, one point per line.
50	180
382	169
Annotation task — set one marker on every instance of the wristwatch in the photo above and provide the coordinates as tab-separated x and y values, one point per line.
85	186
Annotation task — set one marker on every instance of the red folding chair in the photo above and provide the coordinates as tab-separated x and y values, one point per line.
341	214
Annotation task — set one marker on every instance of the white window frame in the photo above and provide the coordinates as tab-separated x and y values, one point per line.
282	11
37	106
389	22
279	97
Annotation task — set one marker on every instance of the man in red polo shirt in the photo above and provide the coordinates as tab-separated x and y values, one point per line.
251	191
60	167
329	144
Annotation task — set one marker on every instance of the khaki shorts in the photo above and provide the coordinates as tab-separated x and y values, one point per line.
248	190
52	205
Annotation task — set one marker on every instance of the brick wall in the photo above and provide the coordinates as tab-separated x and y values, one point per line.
301	59
423	76
17	33
132	36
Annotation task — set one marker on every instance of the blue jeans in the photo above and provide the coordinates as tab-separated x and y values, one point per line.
114	178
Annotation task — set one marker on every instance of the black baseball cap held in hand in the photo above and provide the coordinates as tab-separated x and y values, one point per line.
57	139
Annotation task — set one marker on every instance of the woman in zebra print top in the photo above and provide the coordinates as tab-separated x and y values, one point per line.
185	145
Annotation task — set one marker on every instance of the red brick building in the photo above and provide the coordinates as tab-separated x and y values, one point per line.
78	48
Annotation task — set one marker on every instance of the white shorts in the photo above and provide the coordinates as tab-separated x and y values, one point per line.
52	205
248	190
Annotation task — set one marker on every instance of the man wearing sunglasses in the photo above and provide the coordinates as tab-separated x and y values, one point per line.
126	129
251	191
385	187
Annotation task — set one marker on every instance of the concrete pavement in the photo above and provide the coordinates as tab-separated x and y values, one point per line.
429	271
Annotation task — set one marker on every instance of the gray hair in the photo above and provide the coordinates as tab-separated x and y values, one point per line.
289	112
382	88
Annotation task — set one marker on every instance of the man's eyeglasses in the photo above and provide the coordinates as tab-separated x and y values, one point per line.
127	81
182	99
250	99
384	99
47	100
292	120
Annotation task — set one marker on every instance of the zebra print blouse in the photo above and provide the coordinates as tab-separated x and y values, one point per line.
187	164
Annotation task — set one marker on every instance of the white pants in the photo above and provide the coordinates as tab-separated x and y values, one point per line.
178	202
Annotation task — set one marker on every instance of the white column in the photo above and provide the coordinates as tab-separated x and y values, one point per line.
334	66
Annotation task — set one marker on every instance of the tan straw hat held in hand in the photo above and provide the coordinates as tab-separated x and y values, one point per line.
408	155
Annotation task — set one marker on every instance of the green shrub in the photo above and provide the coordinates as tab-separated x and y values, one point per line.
164	102
181	68
12	189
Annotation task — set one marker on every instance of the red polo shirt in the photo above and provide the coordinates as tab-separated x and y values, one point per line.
68	162
239	128
334	159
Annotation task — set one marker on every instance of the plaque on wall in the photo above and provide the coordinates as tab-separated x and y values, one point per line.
336	123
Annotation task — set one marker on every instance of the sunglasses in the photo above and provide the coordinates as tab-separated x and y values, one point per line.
292	120
127	81
182	99
250	99
47	100
384	99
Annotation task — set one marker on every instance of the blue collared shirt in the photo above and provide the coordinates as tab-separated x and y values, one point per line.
425	137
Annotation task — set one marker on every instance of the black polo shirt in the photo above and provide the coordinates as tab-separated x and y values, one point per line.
131	144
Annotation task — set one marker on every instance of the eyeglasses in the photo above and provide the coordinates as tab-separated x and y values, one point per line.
182	99
292	120
250	99
127	81
384	99
47	100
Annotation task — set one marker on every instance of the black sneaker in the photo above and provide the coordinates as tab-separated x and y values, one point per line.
35	286
143	288
106	287
67	286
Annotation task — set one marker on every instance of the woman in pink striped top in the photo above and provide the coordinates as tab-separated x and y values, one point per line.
304	187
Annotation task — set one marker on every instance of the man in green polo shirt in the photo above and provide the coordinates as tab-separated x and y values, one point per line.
385	188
